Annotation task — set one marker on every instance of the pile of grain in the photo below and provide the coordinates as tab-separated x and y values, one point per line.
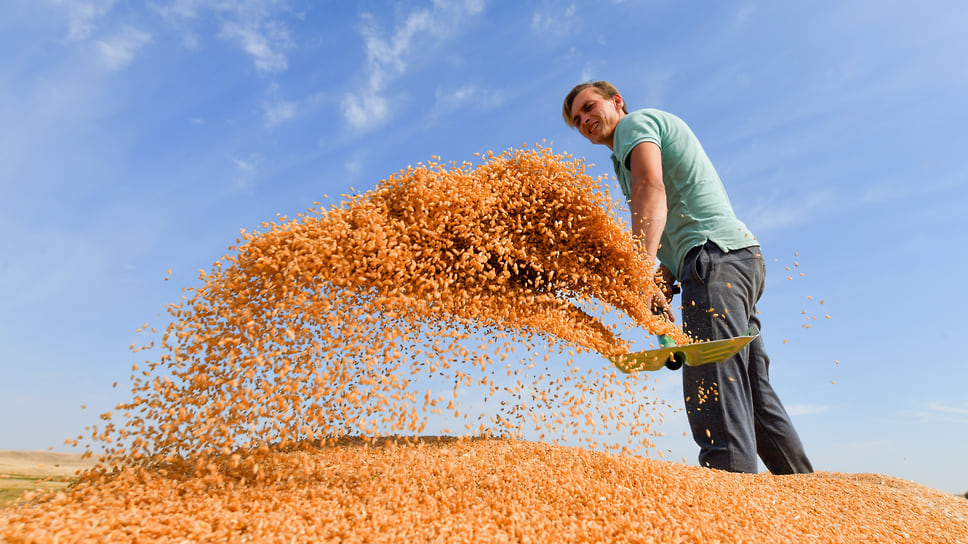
450	490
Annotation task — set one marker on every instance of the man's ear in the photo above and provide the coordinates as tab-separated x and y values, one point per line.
618	101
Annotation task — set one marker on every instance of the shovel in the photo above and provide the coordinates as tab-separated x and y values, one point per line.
671	356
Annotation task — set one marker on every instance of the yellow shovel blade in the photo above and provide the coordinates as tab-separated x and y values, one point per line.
700	353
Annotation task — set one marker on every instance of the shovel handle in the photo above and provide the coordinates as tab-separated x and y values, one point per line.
675	360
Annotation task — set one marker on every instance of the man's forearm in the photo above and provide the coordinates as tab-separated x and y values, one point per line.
649	218
649	231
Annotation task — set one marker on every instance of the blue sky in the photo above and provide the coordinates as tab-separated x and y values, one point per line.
141	136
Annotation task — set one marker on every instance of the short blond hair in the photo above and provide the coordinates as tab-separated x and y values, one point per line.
603	88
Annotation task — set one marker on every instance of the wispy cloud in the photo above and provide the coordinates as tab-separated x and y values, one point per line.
783	212
388	55
246	170
807	409
257	26
467	96
386	59
180	9
119	50
743	13
867	447
556	23
936	411
355	162
900	190
278	111
943	408
82	16
263	40
365	109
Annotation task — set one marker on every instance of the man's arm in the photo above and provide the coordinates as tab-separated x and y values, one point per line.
648	207
648	202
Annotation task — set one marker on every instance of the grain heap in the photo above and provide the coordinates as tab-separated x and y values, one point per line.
485	490
260	418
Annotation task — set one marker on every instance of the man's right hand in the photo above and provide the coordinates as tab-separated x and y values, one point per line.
666	282
660	306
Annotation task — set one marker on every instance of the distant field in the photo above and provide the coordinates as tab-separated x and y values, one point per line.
22	471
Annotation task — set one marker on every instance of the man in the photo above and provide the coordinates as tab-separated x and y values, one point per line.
684	220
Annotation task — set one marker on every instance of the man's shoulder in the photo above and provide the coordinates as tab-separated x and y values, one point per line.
648	119
650	112
637	127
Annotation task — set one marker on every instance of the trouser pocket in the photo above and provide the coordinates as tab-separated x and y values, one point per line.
696	265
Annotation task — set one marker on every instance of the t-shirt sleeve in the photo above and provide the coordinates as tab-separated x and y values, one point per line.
635	128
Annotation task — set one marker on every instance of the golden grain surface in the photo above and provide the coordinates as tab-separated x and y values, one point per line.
485	490
397	312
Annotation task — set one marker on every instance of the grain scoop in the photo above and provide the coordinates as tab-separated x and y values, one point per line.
671	356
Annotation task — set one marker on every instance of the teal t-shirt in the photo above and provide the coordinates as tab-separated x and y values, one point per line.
699	209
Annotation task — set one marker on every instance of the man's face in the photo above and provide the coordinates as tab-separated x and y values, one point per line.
595	116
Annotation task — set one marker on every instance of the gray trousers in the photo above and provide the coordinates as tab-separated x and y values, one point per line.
733	411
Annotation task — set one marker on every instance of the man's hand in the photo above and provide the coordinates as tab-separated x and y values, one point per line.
665	280
660	306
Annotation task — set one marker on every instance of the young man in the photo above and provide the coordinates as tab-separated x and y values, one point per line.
683	217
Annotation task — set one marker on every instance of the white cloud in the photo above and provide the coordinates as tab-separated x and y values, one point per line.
773	214
355	162
82	16
540	22
244	166
365	110
279	111
868	447
263	40
941	412
558	23
118	51
939	407
467	96
246	170
190	41
254	25
744	13
807	409
470	7
177	9
388	55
